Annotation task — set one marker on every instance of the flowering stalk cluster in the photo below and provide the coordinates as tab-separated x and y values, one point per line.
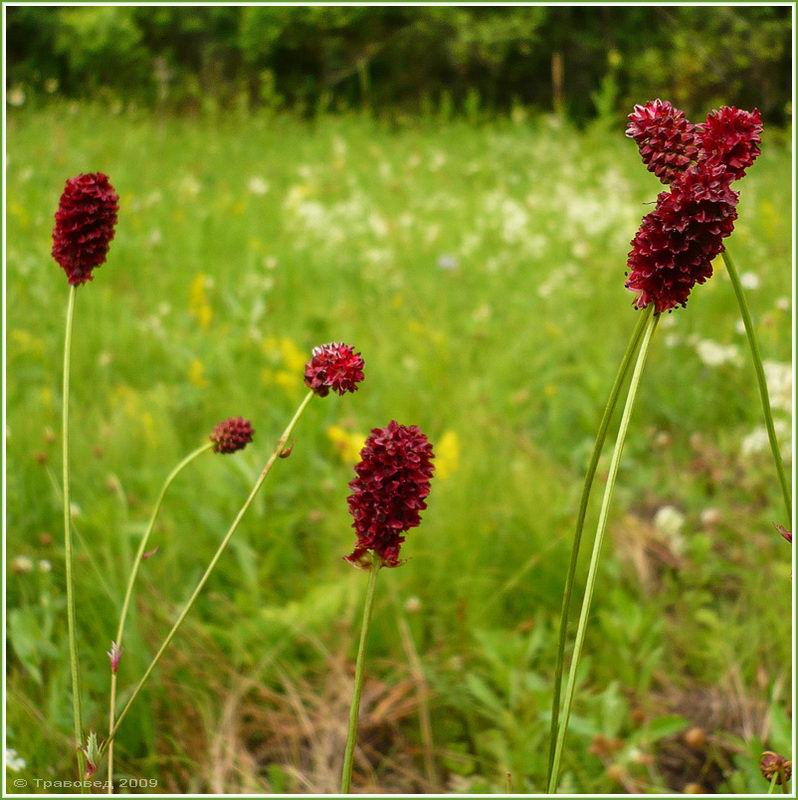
676	243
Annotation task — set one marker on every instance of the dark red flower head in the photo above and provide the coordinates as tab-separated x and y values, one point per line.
335	366
732	136
676	242
84	225
666	139
772	764
388	494
231	435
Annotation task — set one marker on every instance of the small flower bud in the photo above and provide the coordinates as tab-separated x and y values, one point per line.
785	533
92	753
231	435
115	656
773	764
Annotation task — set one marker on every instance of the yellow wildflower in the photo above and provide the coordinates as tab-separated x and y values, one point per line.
347	444
196	374
447	455
198	304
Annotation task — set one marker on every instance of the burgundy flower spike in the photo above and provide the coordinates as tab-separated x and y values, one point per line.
84	225
676	243
388	494
335	366
674	248
231	435
666	139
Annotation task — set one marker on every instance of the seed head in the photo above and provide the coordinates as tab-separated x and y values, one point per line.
231	435
389	492
84	225
335	366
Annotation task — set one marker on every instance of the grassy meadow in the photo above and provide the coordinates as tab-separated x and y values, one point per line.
479	268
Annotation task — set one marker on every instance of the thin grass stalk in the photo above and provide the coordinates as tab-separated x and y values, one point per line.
756	356
120	632
598	446
278	451
74	663
354	710
601	528
422	688
773	783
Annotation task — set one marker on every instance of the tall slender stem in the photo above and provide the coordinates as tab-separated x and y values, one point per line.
120	632
756	356
354	711
74	664
278	450
597	543
598	446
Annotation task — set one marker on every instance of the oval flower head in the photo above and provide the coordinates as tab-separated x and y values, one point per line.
676	242
84	225
665	137
231	435
389	492
335	366
732	136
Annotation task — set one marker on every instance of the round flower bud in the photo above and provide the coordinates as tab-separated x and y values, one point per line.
231	435
773	764
335	366
84	225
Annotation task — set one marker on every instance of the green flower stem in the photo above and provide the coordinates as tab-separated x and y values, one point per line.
773	783
77	716
129	593
756	355
278	450
601	528
598	446
354	711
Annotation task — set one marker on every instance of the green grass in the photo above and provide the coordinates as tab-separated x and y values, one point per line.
480	271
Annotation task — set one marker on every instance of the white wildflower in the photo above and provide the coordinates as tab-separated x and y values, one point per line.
22	564
779	380
257	185
14	761
749	280
714	354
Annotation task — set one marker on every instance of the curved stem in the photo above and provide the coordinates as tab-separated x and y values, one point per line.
597	543
756	355
354	711
598	446
203	580
120	632
77	716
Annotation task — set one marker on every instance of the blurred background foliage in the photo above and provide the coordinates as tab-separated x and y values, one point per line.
586	62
